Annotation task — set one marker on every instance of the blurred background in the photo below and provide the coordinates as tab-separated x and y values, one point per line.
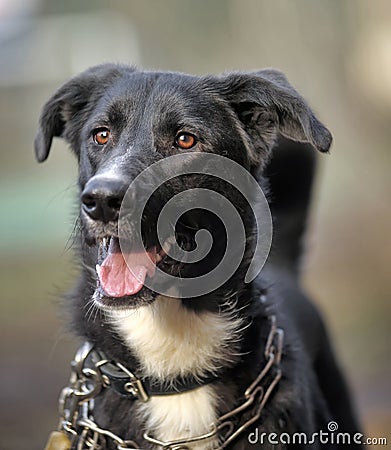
338	55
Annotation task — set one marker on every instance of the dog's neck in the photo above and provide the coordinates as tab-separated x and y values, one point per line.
170	340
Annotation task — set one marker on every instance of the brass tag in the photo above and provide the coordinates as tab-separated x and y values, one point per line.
58	440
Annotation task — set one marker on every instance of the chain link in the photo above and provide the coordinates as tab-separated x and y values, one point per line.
76	406
76	403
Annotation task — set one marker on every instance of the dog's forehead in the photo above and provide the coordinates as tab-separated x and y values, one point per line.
156	82
159	92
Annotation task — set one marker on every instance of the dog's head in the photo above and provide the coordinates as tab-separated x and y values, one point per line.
120	121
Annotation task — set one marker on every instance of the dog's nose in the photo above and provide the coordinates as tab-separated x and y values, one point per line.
102	197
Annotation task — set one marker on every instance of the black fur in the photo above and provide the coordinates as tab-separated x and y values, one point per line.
243	117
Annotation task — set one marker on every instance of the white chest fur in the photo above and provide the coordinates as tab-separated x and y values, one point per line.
182	416
170	340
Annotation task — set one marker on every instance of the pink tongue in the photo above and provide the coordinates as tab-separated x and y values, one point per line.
124	274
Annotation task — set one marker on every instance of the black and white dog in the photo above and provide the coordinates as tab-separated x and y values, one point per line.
239	361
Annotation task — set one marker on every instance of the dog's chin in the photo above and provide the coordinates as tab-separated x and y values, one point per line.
143	298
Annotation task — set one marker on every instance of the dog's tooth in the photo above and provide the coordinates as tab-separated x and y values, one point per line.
104	241
98	269
168	243
166	246
171	240
158	258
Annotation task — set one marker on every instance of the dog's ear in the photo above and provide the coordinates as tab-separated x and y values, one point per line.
266	105
69	103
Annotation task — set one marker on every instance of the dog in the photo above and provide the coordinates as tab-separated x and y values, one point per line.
237	364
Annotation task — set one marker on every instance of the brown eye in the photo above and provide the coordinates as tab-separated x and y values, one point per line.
185	141
101	136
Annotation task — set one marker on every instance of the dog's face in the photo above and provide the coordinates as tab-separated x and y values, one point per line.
120	121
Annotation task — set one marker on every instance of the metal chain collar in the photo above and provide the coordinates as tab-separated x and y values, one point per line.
76	403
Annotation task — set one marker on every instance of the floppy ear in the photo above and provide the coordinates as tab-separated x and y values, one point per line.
267	104
69	103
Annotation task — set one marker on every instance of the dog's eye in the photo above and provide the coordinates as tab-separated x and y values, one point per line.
185	141
101	136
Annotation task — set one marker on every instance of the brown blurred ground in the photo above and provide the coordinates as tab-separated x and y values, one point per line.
337	53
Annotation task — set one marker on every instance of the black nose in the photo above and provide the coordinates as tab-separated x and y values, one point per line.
102	198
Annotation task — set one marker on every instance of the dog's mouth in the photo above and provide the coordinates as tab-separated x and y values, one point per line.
131	273
123	273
